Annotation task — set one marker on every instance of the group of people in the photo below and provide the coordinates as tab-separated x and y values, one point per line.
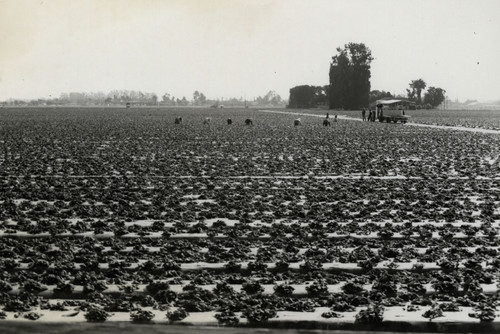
334	117
372	115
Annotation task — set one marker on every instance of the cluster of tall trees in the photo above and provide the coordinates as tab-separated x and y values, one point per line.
113	97
168	100
350	77
433	97
306	96
349	86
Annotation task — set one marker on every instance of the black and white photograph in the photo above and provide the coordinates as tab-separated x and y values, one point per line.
249	166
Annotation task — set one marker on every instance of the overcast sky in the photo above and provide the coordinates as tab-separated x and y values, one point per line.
237	48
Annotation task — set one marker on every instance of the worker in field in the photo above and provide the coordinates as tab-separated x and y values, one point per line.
370	115
363	113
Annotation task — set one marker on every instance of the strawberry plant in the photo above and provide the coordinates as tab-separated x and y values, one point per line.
141	316
374	314
177	315
95	314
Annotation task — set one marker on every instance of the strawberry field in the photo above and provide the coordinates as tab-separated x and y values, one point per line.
122	215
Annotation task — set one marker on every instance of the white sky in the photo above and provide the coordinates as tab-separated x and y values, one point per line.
237	48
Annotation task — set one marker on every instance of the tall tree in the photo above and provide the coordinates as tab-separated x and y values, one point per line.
350	77
417	86
301	96
434	96
199	98
307	96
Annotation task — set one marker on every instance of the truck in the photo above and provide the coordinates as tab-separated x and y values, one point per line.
393	115
392	111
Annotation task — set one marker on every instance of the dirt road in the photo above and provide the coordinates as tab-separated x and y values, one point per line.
459	128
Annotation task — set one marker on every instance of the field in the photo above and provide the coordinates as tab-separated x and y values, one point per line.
122	215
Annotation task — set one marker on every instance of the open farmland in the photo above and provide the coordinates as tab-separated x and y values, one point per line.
120	214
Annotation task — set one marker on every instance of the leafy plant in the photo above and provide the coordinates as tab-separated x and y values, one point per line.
352	288
257	314
95	314
32	316
433	313
227	318
374	314
317	289
177	315
331	314
142	316
252	287
283	289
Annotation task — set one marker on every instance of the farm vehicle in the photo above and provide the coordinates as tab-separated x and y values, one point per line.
392	111
394	115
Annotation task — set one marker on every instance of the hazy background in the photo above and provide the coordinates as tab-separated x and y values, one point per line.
236	48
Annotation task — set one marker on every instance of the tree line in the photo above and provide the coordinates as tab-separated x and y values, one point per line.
349	85
121	97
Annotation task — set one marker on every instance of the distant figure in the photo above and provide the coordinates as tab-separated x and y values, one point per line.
229	121
370	114
178	120
363	113
207	120
327	115
335	119
326	122
296	122
248	121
